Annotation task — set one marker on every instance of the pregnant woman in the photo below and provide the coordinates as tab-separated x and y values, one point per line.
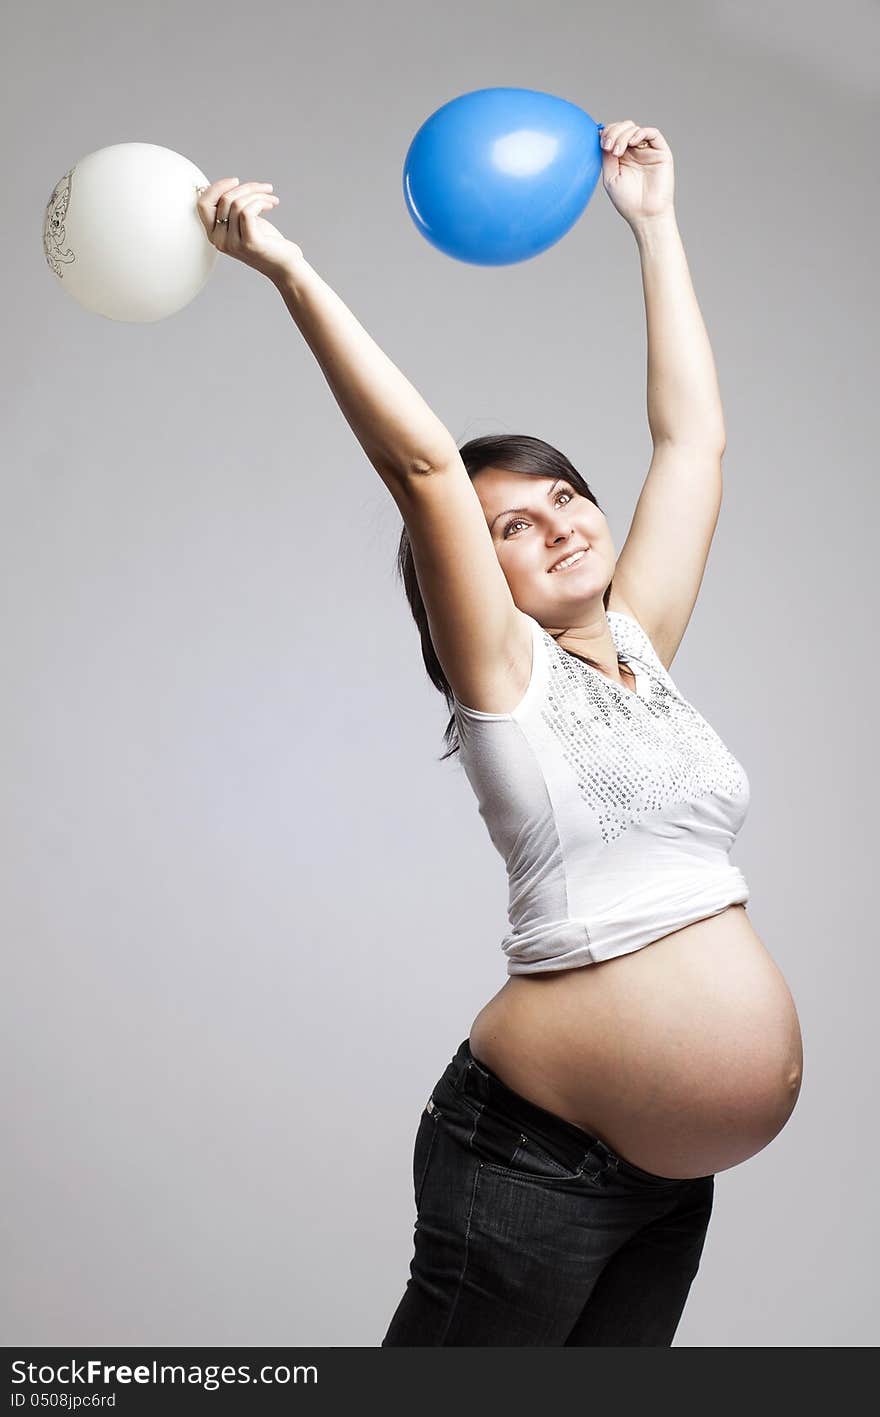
644	1039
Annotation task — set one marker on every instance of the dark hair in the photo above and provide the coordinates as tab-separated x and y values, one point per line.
511	453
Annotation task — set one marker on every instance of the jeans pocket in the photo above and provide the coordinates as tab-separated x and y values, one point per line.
531	1161
501	1144
424	1146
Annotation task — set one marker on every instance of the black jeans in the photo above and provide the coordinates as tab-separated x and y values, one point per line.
532	1232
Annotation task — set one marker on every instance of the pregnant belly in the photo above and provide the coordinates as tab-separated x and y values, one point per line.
684	1057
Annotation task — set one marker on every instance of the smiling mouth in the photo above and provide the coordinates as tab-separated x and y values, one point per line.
569	564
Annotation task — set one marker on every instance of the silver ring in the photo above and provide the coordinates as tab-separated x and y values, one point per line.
222	221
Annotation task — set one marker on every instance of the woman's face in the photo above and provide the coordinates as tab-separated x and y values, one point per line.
555	521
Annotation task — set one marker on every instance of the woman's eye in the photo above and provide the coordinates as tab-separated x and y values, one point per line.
516	520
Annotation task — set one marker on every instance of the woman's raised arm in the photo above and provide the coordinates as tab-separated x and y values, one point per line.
390	419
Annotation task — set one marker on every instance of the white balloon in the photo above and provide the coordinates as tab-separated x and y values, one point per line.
122	233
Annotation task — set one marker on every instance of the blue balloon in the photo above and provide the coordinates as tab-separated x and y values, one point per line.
498	175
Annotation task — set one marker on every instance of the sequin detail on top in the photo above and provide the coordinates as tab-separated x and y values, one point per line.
628	777
614	810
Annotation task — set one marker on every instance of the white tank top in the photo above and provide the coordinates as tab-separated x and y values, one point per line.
614	811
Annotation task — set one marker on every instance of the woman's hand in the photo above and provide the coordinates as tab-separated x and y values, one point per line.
637	171
230	215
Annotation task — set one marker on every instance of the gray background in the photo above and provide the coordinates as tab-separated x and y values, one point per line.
247	916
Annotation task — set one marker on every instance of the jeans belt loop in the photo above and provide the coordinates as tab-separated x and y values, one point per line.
606	1155
478	1080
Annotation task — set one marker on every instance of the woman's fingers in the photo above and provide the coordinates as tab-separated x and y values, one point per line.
221	185
231	215
616	136
251	204
235	197
215	201
655	139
